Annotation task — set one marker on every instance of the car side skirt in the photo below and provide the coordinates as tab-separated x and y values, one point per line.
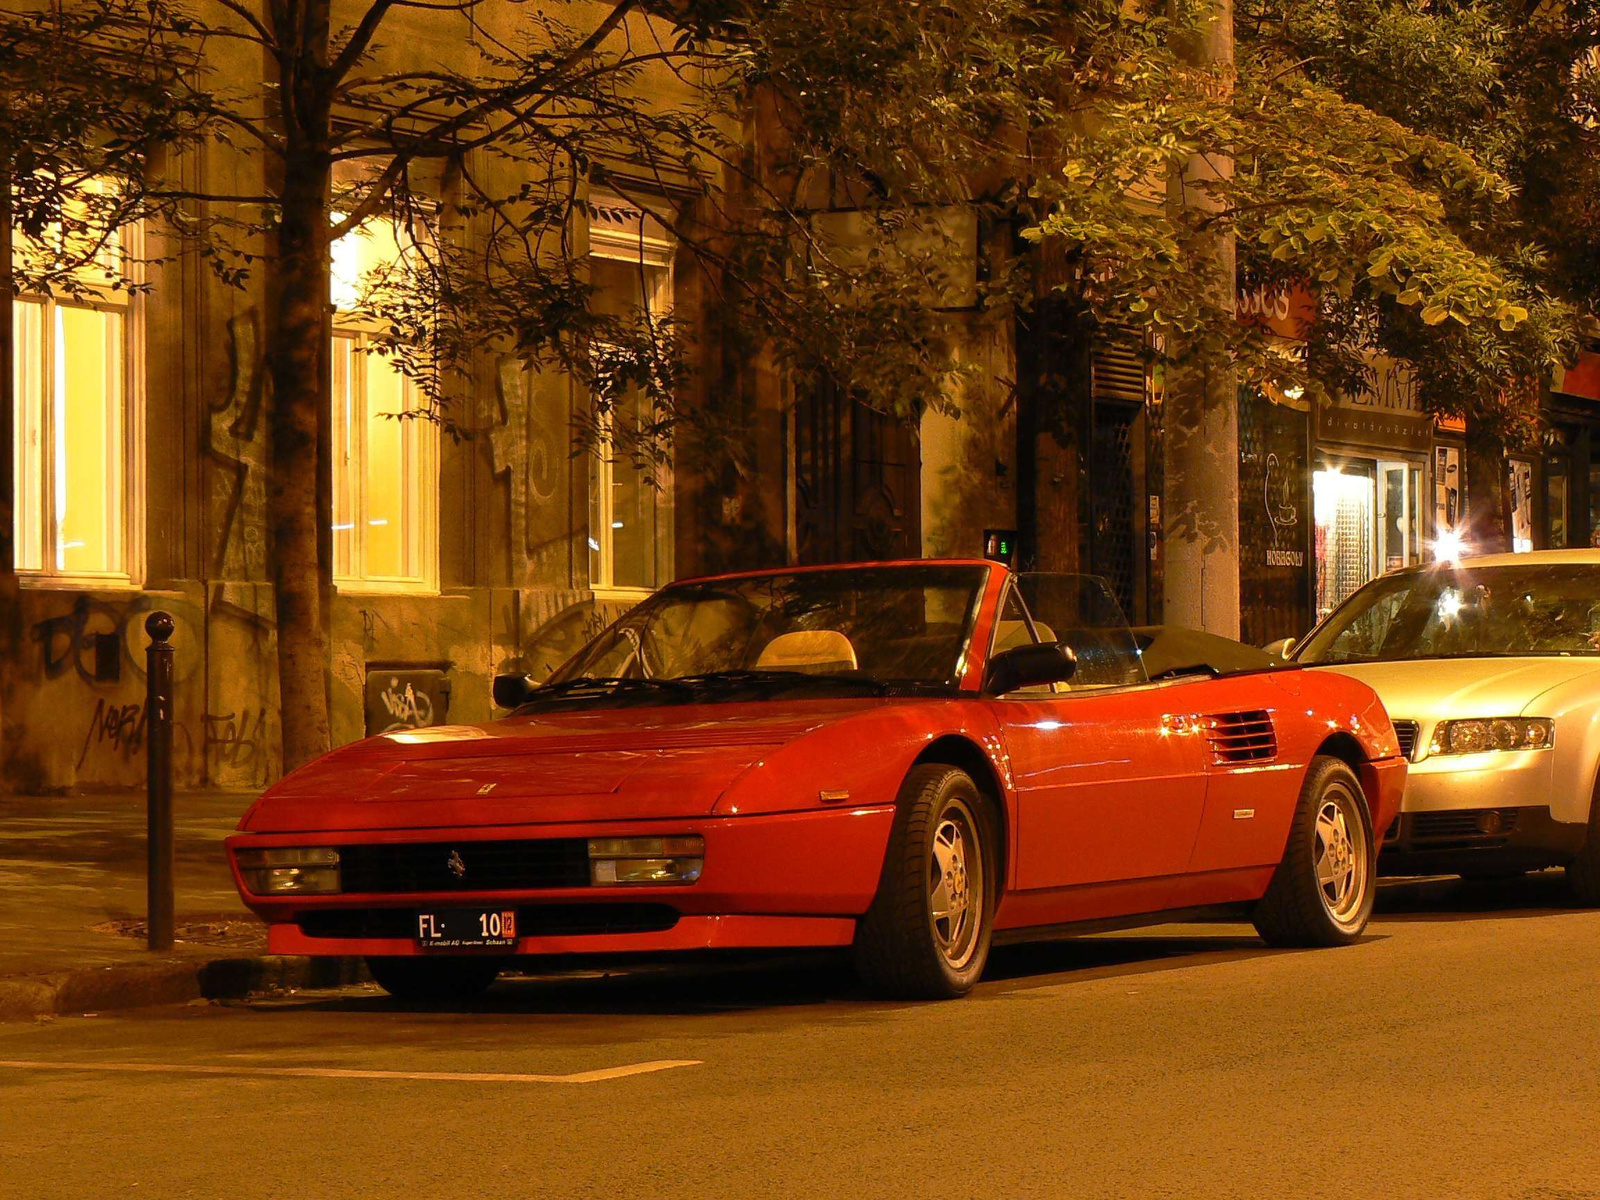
1230	914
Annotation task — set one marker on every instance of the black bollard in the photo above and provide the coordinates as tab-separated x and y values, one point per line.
158	747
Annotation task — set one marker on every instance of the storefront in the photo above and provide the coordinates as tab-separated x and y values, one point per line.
1571	459
1370	485
1274	532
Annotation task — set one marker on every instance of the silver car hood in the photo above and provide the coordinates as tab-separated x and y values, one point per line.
1439	688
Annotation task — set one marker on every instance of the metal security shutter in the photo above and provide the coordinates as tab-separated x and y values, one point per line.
1119	386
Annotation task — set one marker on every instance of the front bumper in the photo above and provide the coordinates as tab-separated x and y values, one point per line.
1489	810
772	881
1444	841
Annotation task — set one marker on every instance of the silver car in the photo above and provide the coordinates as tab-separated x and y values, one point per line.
1490	669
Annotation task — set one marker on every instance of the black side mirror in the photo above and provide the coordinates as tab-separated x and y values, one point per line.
1029	666
1281	647
512	690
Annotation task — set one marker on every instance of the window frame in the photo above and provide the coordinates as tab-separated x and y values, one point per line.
129	492
636	248
427	468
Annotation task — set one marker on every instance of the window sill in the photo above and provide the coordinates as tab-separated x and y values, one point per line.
630	594
378	587
40	581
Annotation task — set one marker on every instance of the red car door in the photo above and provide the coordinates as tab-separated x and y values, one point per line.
1110	784
1109	777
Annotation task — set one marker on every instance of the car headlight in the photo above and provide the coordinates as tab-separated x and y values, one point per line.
646	859
277	870
1482	734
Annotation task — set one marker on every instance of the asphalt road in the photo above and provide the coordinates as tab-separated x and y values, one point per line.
1454	1053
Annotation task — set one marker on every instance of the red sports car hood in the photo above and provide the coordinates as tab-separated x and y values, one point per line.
628	763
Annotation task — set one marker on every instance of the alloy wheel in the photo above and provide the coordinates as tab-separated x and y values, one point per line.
1340	853
956	884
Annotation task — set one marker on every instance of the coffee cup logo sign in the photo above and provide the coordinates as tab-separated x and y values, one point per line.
1283	515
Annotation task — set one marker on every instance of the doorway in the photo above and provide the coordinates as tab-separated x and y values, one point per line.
1368	515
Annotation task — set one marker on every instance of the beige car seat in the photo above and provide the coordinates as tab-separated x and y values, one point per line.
819	651
1012	634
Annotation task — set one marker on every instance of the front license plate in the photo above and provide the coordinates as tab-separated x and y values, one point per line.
464	928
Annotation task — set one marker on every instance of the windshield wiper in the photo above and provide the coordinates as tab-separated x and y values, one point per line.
780	679
589	687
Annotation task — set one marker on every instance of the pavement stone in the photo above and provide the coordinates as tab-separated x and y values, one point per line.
72	908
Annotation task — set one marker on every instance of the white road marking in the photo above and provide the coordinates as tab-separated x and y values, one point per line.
600	1076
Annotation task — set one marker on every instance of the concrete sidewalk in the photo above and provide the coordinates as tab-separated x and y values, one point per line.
72	907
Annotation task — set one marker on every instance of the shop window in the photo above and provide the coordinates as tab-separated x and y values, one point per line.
76	425
630	526
385	450
1399	515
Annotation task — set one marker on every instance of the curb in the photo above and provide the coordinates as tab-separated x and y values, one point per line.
134	985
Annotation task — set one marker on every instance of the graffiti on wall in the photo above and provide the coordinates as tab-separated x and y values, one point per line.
101	642
87	640
117	732
406	699
523	450
91	656
237	740
570	630
234	443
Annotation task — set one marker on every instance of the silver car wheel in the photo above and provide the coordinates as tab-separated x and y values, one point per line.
956	884
1340	854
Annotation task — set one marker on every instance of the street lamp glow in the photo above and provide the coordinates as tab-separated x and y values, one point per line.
1449	547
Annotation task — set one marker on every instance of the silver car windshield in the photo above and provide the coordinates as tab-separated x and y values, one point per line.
1465	612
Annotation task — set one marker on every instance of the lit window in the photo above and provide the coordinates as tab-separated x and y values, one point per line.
630	512
385	463
74	425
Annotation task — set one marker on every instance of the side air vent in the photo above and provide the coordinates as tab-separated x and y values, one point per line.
1241	737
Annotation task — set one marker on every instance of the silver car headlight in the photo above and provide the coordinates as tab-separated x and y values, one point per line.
289	870
1481	734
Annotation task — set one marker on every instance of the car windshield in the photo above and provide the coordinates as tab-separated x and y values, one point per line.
853	630
1465	612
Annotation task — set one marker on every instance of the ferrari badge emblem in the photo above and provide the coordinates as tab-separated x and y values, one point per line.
457	867
487	788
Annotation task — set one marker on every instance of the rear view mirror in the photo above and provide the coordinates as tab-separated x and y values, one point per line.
1029	666
510	691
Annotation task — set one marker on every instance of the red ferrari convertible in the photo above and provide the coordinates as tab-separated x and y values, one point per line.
908	760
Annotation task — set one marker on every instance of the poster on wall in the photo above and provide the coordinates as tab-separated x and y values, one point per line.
1521	473
1446	489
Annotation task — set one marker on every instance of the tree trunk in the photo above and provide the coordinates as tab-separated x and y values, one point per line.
1488	493
10	597
297	363
1200	424
1053	395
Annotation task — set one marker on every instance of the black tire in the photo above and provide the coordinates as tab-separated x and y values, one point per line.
1298	908
435	979
902	950
1583	872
